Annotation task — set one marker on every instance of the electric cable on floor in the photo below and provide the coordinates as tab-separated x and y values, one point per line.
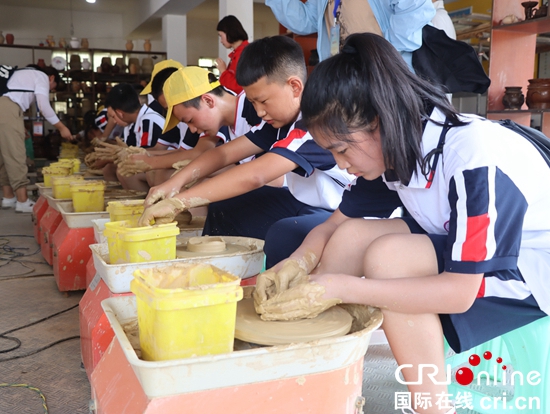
9	253
44	405
18	342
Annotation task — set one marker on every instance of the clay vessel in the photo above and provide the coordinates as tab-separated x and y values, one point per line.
50	41
86	65
538	94
1	38
62	43
129	45
75	44
147	65
41	63
84	43
9	39
513	98
147	45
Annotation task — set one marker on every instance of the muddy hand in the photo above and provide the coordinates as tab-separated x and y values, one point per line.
165	211
106	151
272	282
303	301
160	192
133	164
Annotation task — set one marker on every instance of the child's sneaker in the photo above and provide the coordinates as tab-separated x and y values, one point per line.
25	207
8	202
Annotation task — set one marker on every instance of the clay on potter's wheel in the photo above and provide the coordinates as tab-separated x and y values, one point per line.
184	218
250	328
206	244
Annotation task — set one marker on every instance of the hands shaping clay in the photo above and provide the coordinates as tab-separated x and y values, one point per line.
109	152
288	294
129	165
165	211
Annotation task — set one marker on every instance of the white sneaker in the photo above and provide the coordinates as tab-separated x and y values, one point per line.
8	202
25	207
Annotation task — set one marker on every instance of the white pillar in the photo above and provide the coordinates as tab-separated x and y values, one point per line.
242	10
174	37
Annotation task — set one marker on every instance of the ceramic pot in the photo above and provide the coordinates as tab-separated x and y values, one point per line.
86	65
75	44
147	45
50	41
133	68
74	62
538	94
1	38
84	43
9	39
129	45
147	65
75	86
119	62
513	98
62	43
41	63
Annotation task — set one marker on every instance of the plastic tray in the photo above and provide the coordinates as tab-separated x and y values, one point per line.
43	190
99	227
118	276
78	220
237	368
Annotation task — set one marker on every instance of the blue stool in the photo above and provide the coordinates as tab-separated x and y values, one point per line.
526	349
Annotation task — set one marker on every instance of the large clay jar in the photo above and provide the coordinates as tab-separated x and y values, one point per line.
9	39
147	45
513	97
84	43
129	45
538	94
62	43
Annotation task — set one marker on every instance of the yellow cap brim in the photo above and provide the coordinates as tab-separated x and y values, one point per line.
169	63
171	120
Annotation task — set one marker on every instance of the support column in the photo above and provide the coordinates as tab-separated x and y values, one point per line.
174	37
242	10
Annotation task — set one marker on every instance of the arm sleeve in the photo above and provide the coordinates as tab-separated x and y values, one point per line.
486	220
301	18
406	23
43	102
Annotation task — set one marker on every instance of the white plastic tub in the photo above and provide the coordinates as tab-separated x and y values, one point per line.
78	220
99	227
118	276
238	368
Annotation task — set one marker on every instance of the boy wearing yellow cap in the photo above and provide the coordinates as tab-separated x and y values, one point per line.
272	72
182	143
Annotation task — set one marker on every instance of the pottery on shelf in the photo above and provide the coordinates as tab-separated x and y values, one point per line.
1	38
86	65
513	98
119	62
9	38
538	94
75	44
529	7
50	41
129	45
84	43
62	42
41	63
74	62
147	65
147	45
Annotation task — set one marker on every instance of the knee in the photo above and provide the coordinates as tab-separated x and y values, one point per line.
379	259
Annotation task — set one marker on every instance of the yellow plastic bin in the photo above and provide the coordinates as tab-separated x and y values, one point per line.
54	171
185	310
88	196
129	244
130	210
73	163
61	185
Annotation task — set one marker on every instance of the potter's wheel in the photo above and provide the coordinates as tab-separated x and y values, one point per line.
210	246
250	328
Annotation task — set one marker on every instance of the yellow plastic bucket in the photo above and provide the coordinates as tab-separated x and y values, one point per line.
185	310
130	210
88	195
61	185
73	163
129	244
54	171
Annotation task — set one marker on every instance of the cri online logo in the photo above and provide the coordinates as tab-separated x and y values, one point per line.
465	376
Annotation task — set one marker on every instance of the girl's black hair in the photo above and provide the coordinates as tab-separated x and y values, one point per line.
124	97
276	57
232	28
158	81
370	84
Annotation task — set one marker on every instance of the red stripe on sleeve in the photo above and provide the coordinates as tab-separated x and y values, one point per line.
145	139
481	291
292	135
474	248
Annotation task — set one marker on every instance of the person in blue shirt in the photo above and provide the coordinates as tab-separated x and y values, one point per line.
399	21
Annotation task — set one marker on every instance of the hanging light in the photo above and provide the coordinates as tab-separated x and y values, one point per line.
90	1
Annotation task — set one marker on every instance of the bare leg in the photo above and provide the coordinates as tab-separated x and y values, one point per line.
7	191
136	182
157	177
109	172
414	338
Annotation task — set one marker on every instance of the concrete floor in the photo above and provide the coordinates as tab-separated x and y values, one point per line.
28	293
